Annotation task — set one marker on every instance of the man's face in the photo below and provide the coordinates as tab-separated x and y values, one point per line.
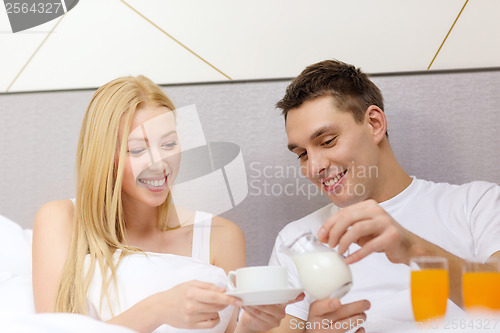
336	153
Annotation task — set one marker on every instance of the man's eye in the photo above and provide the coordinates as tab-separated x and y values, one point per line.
302	155
329	142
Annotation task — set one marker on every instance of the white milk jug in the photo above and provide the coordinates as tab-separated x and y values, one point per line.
323	272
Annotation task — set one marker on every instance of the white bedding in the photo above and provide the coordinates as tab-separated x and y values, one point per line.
17	311
17	314
55	323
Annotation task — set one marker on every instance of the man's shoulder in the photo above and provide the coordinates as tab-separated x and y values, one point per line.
477	187
311	222
480	186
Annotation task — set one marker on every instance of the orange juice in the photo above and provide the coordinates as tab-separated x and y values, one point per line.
429	293
481	289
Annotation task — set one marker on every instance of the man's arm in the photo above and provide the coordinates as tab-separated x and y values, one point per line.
372	228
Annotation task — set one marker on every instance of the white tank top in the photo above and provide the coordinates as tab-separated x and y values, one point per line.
141	275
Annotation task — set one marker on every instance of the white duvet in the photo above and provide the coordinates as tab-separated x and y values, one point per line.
17	312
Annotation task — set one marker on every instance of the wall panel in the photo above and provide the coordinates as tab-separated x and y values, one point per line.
442	126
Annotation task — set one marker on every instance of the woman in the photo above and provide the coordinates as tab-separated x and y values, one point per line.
123	222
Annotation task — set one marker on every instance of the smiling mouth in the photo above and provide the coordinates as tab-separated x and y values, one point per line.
334	180
155	183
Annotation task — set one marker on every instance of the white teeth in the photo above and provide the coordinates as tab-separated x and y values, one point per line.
155	183
334	180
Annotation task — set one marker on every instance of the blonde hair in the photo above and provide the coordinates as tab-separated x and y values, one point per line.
99	223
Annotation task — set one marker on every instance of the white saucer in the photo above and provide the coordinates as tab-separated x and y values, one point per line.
266	297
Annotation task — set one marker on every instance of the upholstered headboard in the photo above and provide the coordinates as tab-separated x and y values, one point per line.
442	126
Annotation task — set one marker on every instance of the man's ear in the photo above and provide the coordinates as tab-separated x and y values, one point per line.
375	118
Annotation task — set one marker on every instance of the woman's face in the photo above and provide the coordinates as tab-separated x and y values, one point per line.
153	156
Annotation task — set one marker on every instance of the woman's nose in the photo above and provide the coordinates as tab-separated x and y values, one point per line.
154	155
157	166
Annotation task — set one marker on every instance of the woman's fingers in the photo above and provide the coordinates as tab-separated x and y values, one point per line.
265	317
217	301
276	310
209	323
297	299
211	296
258	313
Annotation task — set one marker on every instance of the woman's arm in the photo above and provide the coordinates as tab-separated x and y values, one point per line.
192	305
52	230
228	252
227	245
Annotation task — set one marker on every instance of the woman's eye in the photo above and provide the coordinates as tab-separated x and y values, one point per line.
136	151
169	145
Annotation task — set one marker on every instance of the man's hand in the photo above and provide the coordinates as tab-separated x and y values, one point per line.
371	227
329	315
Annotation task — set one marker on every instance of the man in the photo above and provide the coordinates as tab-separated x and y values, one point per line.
336	126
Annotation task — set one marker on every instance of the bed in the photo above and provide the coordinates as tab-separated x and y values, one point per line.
17	311
443	127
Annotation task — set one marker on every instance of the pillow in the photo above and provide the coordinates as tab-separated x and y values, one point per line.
56	323
16	291
16	295
15	249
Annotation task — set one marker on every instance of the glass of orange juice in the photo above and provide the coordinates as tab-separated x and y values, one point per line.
481	285
429	287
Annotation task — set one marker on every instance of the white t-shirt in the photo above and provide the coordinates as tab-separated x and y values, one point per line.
464	220
142	275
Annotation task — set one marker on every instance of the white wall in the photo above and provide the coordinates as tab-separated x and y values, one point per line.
178	41
442	126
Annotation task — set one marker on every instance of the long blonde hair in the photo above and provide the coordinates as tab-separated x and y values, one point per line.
99	226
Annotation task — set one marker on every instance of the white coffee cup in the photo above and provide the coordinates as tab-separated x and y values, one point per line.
258	278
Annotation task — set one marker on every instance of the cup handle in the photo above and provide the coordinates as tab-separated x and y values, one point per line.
231	278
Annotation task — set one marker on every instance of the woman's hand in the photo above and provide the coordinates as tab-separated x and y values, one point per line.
263	317
193	304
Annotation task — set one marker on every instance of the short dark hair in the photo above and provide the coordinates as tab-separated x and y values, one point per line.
349	86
